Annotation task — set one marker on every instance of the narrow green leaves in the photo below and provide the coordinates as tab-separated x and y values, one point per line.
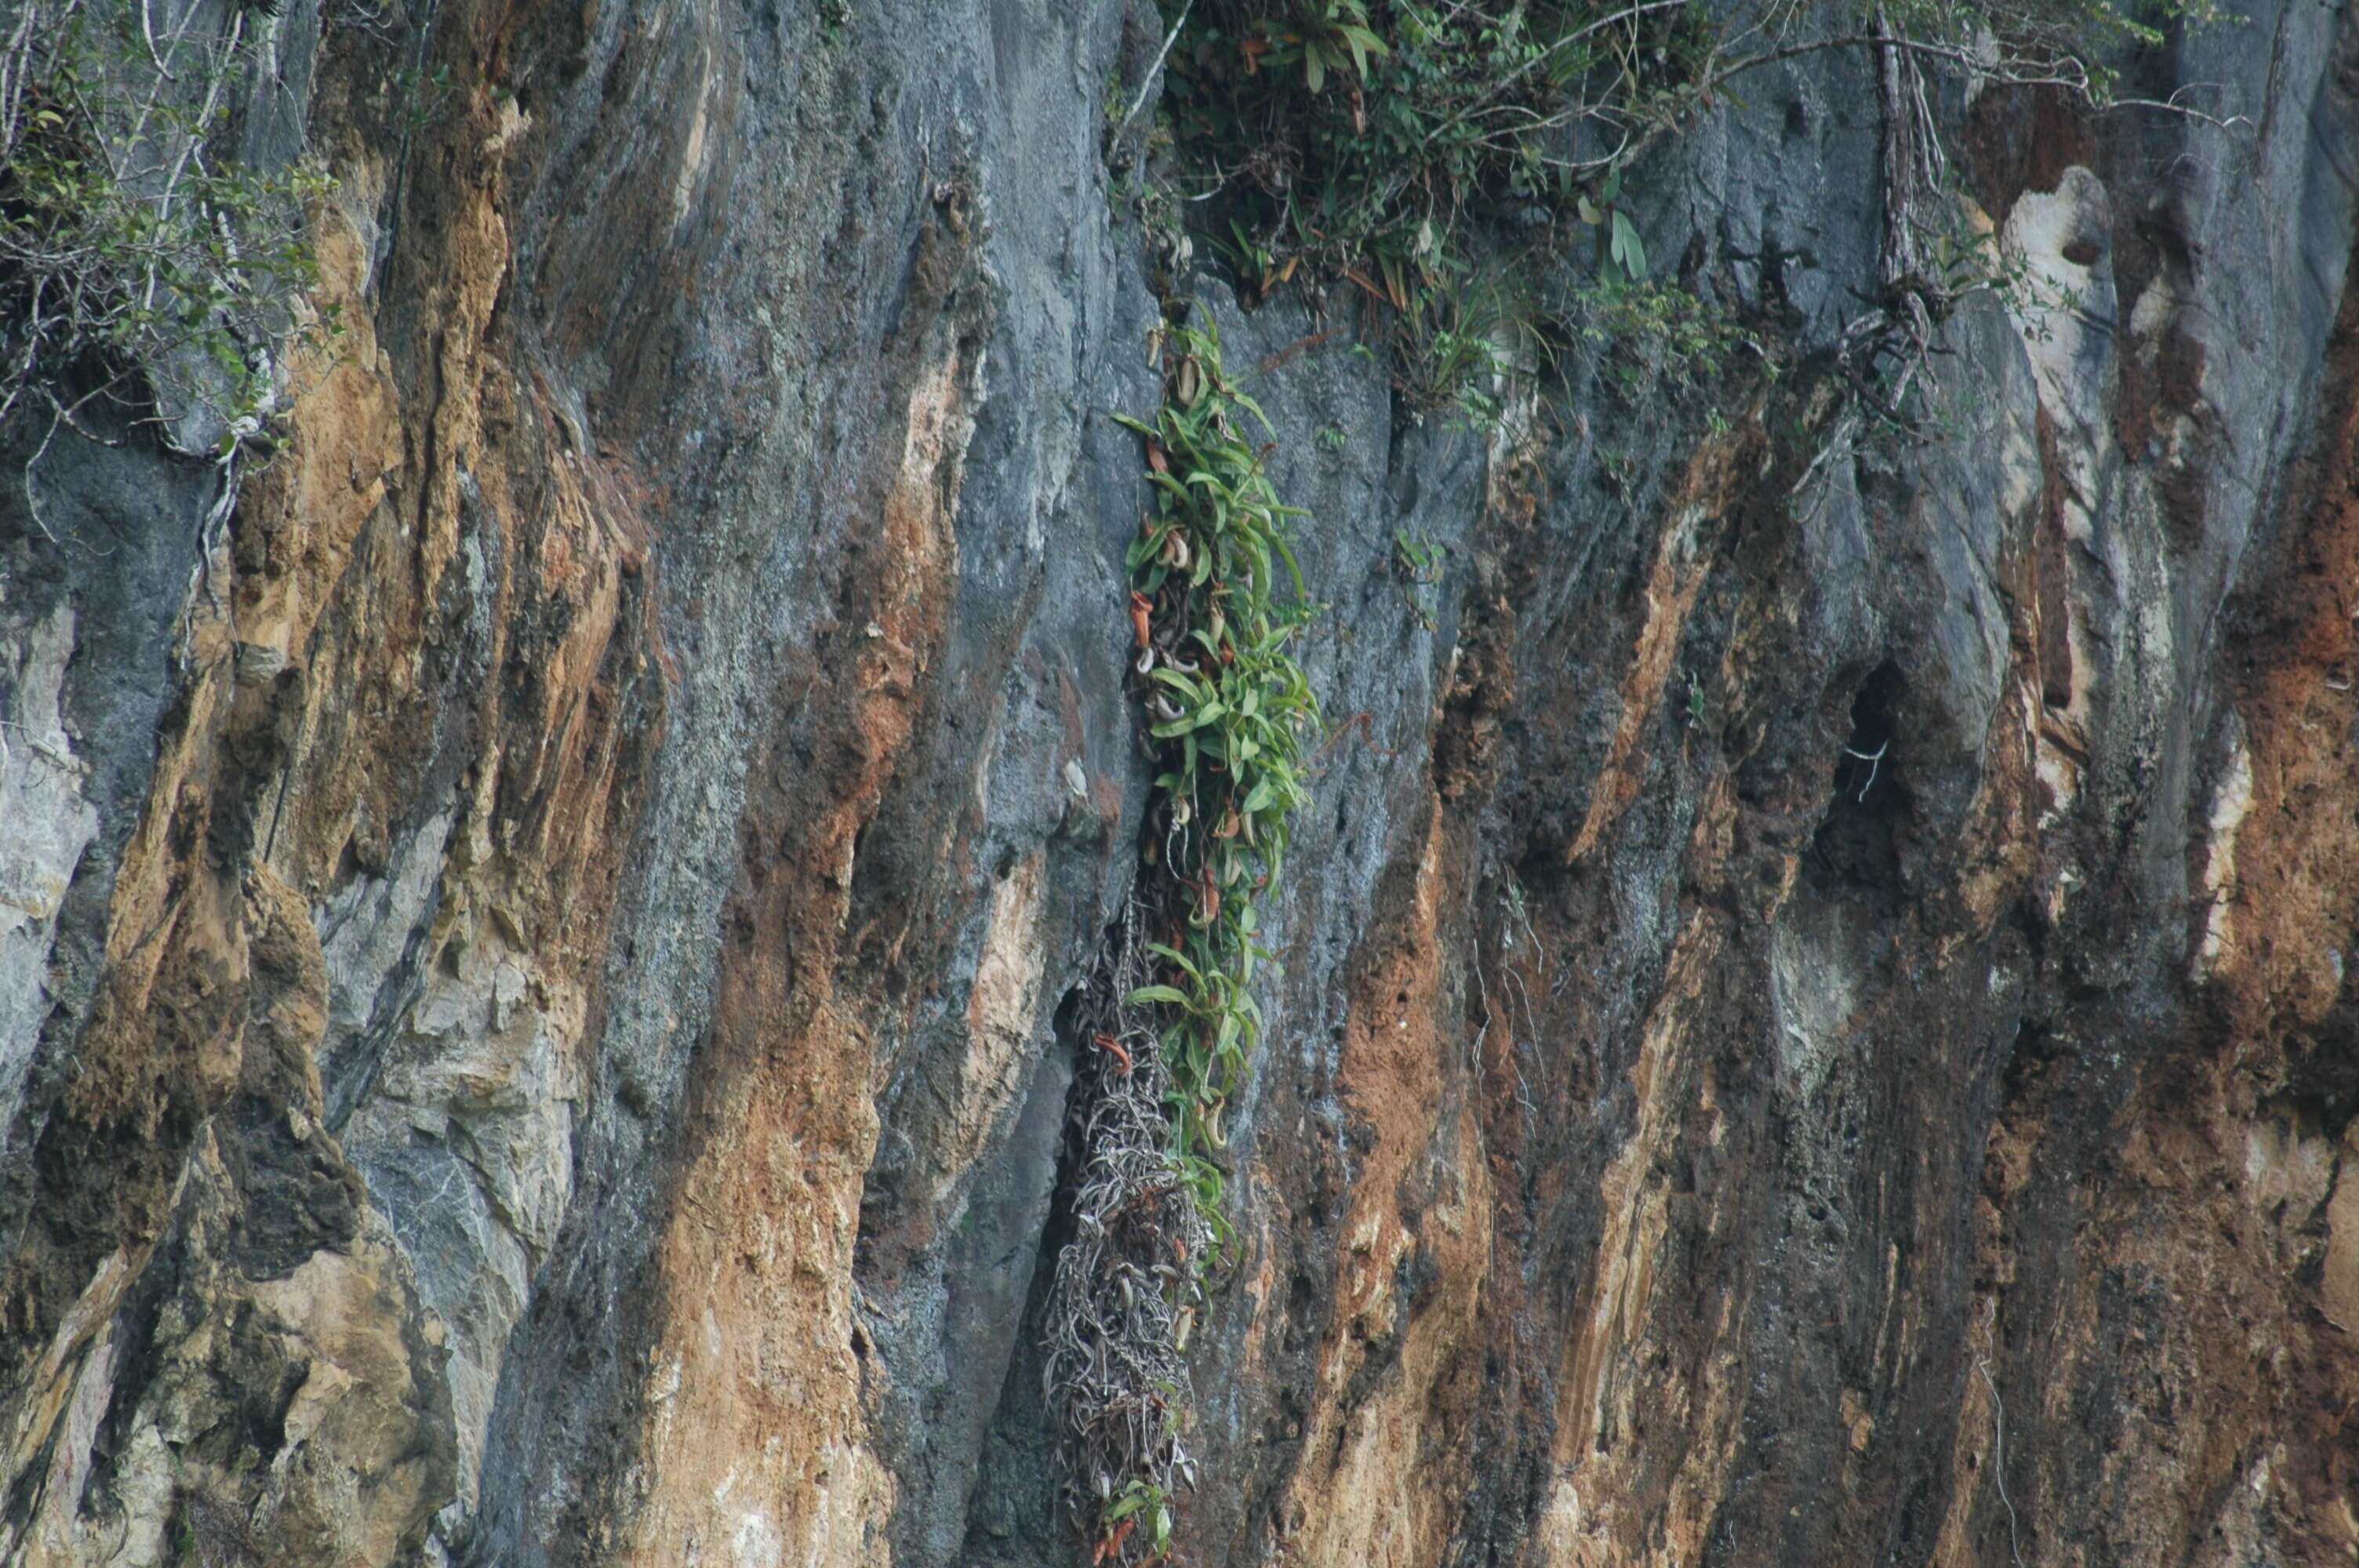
1230	710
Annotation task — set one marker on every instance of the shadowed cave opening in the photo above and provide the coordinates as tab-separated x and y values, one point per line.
1858	841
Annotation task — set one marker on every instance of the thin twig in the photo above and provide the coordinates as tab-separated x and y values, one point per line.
1149	85
32	501
2172	105
1998	1460
1873	761
147	33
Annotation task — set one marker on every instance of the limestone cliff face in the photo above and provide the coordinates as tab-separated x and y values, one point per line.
537	917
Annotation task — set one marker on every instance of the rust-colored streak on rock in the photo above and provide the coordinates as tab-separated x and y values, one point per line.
1705	499
2293	902
2220	1253
2053	575
2247	1133
2023	138
1607	1489
329	705
754	1440
1386	1443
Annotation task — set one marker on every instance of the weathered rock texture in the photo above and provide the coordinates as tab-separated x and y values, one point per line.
533	940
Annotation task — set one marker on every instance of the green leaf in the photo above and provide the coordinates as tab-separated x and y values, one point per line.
1146	995
1355	37
1628	250
1165	950
1293	570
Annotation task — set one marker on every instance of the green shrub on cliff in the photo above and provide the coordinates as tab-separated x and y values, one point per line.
1444	160
132	249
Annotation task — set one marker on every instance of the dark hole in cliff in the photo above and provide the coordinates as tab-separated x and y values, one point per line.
1857	844
1072	1150
2035	1049
1301	1295
2322	1070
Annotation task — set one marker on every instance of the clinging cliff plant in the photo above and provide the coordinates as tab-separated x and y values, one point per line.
1228	706
1126	1289
1171	1023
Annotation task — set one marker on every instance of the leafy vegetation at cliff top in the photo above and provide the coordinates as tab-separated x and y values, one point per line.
1446	158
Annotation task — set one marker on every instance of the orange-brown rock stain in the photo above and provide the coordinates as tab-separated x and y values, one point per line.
754	1449
2236	1139
305	731
1704	508
1387	1441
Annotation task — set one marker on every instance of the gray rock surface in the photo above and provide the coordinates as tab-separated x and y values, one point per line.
534	950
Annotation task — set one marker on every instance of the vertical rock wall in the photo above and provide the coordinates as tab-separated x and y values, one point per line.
1813	1023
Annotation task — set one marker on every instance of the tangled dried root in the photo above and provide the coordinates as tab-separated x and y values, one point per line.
1126	1292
